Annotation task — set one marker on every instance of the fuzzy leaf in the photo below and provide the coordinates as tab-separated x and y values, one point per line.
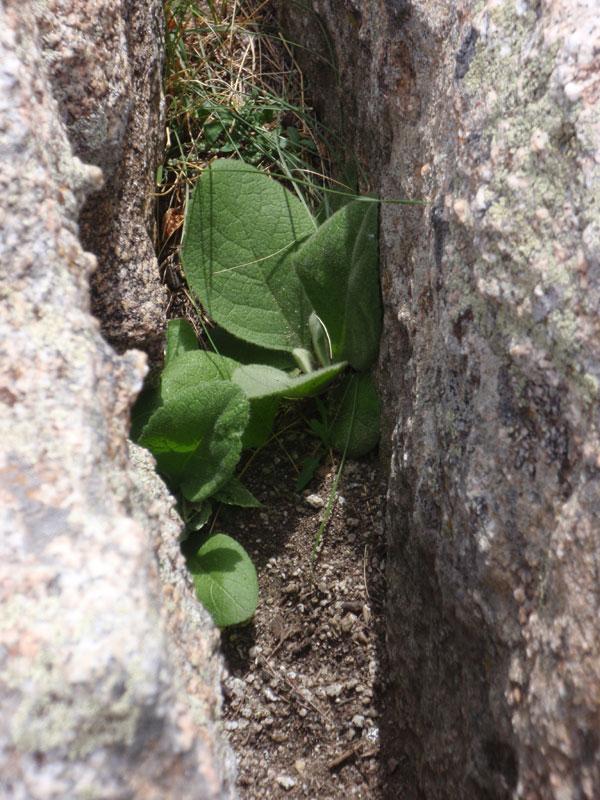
260	424
185	370
193	368
181	338
225	580
195	516
190	369
241	232
196	437
234	493
355	416
338	269
246	353
258	381
320	340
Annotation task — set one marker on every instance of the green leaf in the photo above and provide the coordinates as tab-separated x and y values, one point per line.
258	380
308	470
338	269
320	340
303	359
181	338
355	415
196	437
193	368
292	134
212	131
246	353
225	580
148	402
234	493
343	192
195	516
260	424
241	232
183	371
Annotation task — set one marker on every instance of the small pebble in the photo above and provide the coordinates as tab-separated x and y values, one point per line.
286	782
372	735
358	721
314	501
348	622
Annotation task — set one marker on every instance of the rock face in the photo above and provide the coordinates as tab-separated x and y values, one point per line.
105	61
108	674
489	373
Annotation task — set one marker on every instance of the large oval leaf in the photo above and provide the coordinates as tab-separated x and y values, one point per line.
194	367
241	231
338	269
196	437
185	369
225	580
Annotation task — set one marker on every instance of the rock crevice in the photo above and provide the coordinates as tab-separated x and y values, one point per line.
488	374
109	671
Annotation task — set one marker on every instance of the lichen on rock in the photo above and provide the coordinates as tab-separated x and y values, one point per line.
97	627
488	374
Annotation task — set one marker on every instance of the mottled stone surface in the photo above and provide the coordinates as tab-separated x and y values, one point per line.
489	374
104	59
108	675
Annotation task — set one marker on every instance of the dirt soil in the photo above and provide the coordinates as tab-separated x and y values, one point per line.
307	708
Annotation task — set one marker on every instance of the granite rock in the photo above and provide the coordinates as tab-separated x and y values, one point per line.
109	678
489	373
104	60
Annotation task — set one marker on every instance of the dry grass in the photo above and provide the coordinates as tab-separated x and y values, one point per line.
233	88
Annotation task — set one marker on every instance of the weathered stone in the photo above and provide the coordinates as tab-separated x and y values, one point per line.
104	60
489	373
108	677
